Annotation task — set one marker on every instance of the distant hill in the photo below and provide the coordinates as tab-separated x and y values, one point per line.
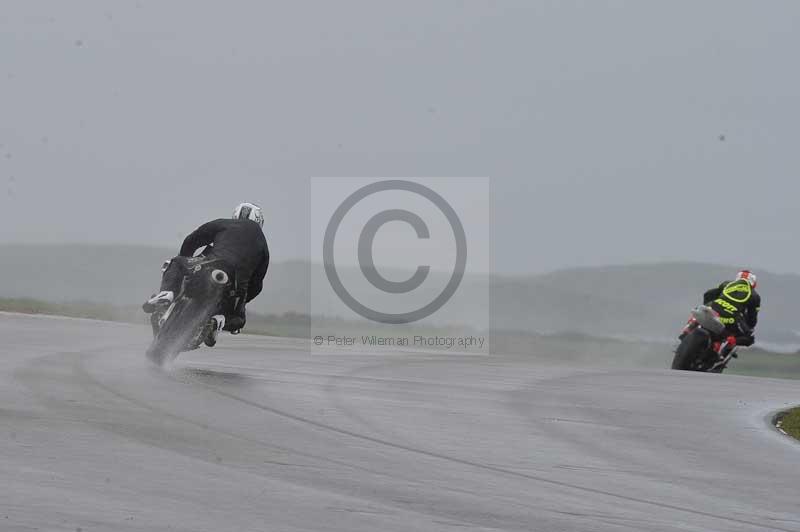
647	301
644	301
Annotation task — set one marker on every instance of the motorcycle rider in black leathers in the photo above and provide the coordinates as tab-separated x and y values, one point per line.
240	242
734	301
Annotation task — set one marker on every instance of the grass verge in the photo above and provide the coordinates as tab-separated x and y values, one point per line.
790	423
287	324
74	309
571	348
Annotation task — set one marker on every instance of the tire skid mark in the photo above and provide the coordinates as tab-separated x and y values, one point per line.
485	467
80	369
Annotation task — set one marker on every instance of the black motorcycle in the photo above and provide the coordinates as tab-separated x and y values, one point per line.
207	286
706	344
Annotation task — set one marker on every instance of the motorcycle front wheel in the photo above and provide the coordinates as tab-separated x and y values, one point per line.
690	349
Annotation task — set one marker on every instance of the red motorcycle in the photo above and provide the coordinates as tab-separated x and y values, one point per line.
706	343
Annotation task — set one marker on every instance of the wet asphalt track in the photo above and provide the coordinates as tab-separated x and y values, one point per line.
259	435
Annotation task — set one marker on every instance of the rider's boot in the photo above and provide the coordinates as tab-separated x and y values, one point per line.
236	319
234	324
156	306
723	349
162	299
214	326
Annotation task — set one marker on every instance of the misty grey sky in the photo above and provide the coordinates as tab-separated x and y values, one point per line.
598	122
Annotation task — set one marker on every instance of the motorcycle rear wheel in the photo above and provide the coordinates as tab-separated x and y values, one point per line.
174	333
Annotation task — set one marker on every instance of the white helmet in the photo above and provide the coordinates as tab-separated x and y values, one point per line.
748	276
249	211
